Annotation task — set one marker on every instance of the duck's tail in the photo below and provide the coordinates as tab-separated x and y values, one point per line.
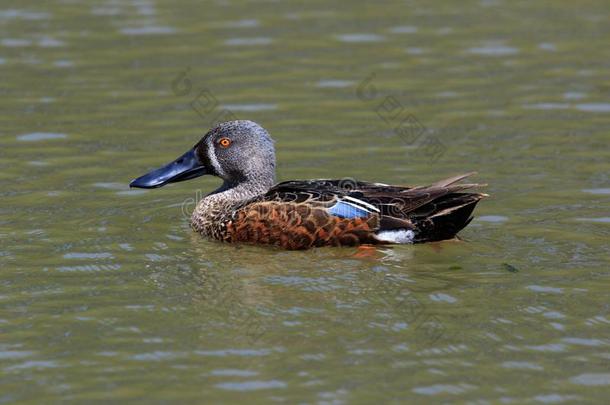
445	216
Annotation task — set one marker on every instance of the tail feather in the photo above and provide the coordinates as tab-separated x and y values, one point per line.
445	218
452	180
432	213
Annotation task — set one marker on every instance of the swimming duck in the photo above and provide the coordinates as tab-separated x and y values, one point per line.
301	214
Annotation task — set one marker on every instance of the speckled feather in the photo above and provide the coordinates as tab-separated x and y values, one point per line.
295	214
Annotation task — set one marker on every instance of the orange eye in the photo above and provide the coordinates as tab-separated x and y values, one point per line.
224	142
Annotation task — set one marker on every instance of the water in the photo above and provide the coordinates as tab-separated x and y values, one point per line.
107	295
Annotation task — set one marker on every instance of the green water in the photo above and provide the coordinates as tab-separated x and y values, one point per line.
107	295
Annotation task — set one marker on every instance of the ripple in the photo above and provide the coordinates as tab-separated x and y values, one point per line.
148	30
492	218
597	191
522	365
156	356
40	136
415	51
16	42
89	268
555	398
403	29
450	349
48	42
493	50
440	297
250	107
574	95
545	289
246	23
106	11
63	63
251	385
553	315
447	94
107	353
547	46
602	220
593	107
248	41
547	106
110	186
443	389
584	341
153	257
234	373
13	14
306	283
591	379
33	364
234	352
551	347
444	31
79	255
14	354
359	38
145	9
557	326
132	192
330	83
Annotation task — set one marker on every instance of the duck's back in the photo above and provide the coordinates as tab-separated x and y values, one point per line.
312	213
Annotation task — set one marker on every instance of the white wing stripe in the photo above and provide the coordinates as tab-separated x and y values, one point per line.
362	204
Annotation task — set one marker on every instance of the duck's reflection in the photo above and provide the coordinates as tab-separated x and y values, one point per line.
268	297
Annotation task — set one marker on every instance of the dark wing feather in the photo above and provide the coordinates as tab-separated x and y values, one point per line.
394	201
435	212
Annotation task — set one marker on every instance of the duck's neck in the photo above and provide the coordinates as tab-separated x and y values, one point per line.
235	192
217	206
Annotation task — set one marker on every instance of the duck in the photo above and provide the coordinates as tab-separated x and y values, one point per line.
249	207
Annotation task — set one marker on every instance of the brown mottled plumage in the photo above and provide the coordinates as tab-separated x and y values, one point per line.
298	226
308	213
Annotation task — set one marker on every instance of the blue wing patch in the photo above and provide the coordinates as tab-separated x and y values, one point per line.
345	209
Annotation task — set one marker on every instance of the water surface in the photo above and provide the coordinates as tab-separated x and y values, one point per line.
107	295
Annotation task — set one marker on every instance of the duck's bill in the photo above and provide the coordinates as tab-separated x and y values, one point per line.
186	167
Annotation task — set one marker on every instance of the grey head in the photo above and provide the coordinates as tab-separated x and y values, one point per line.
239	152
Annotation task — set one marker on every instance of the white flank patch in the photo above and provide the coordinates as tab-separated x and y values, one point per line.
397	236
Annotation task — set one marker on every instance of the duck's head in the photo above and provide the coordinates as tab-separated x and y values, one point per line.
236	151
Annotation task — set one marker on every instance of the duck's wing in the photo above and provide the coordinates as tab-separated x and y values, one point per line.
434	212
438	211
389	200
305	213
413	202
